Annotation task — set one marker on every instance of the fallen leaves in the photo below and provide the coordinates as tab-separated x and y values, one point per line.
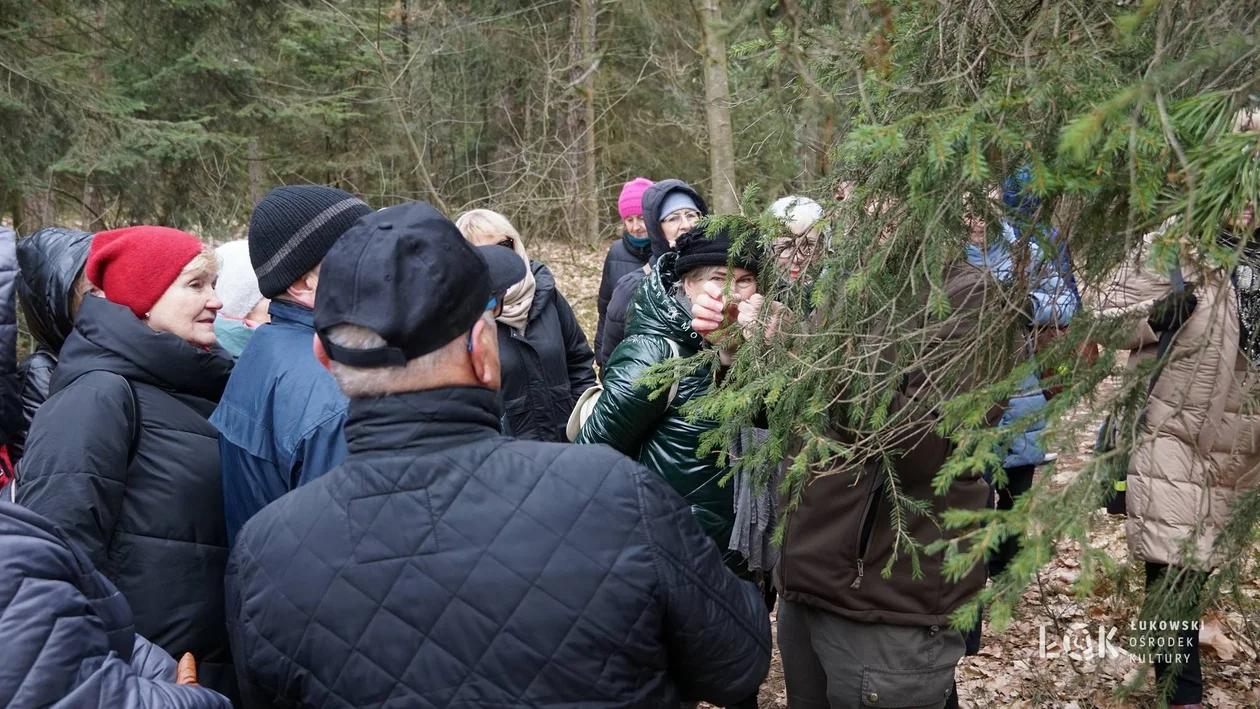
1213	639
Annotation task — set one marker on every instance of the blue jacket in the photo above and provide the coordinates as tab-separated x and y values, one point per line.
281	419
1054	302
69	635
445	565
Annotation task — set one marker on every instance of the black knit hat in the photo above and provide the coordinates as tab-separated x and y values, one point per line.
711	245
293	227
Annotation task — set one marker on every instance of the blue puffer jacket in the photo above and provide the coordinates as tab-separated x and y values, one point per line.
445	565
1054	302
69	638
281	418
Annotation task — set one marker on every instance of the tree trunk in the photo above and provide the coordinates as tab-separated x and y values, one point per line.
589	189
255	172
583	121
412	184
723	192
34	210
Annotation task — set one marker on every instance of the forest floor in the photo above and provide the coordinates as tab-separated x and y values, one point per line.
1011	669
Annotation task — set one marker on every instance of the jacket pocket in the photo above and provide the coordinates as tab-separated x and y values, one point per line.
905	689
562	402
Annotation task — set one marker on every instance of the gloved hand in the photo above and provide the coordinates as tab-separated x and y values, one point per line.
1173	310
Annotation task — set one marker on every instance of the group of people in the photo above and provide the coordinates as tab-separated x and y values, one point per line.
332	462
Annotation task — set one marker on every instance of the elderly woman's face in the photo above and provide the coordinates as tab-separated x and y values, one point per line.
793	253
743	282
187	309
635	226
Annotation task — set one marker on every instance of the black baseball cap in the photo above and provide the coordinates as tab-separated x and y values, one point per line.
407	274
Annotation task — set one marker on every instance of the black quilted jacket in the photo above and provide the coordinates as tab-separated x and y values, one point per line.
444	565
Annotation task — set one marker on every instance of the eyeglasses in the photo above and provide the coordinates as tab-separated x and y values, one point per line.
508	242
690	215
494	306
801	248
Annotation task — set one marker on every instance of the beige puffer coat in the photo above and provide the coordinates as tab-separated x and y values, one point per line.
1199	448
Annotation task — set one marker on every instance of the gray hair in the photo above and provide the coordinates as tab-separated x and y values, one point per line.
358	383
701	273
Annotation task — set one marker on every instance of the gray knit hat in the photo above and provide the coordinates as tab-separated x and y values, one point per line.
293	227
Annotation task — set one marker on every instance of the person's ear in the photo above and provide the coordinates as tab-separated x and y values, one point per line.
302	291
485	354
321	355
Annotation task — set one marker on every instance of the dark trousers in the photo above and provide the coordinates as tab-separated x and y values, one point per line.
1187	680
1019	480
831	662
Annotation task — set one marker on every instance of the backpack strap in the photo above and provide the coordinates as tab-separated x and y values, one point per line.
133	422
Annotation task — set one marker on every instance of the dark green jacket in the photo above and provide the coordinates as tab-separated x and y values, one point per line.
651	430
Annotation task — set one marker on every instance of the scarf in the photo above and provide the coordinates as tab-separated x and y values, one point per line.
520	297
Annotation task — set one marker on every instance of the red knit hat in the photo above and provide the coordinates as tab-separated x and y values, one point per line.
135	265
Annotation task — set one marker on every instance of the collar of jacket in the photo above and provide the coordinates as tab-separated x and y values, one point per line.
640	252
422	421
283	311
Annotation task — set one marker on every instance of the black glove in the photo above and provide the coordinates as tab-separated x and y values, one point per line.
1173	310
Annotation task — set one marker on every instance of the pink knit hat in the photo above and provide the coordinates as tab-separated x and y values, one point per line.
631	201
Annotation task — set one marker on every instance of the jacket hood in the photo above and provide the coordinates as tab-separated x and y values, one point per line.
655	311
108	337
50	261
652	201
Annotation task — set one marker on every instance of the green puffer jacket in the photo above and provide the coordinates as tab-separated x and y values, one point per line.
652	431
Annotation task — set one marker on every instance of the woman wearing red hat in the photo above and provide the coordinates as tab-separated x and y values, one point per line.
121	456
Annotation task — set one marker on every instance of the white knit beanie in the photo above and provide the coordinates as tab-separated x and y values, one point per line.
238	286
798	213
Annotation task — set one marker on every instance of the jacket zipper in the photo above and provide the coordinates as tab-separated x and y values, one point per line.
865	528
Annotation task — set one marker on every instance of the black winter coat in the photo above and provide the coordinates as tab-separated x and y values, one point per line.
146	506
50	260
546	369
69	637
444	565
10	402
619	301
623	257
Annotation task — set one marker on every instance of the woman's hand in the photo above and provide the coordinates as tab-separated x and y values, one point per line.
710	312
750	314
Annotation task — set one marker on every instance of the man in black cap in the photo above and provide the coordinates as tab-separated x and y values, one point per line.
444	564
281	417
